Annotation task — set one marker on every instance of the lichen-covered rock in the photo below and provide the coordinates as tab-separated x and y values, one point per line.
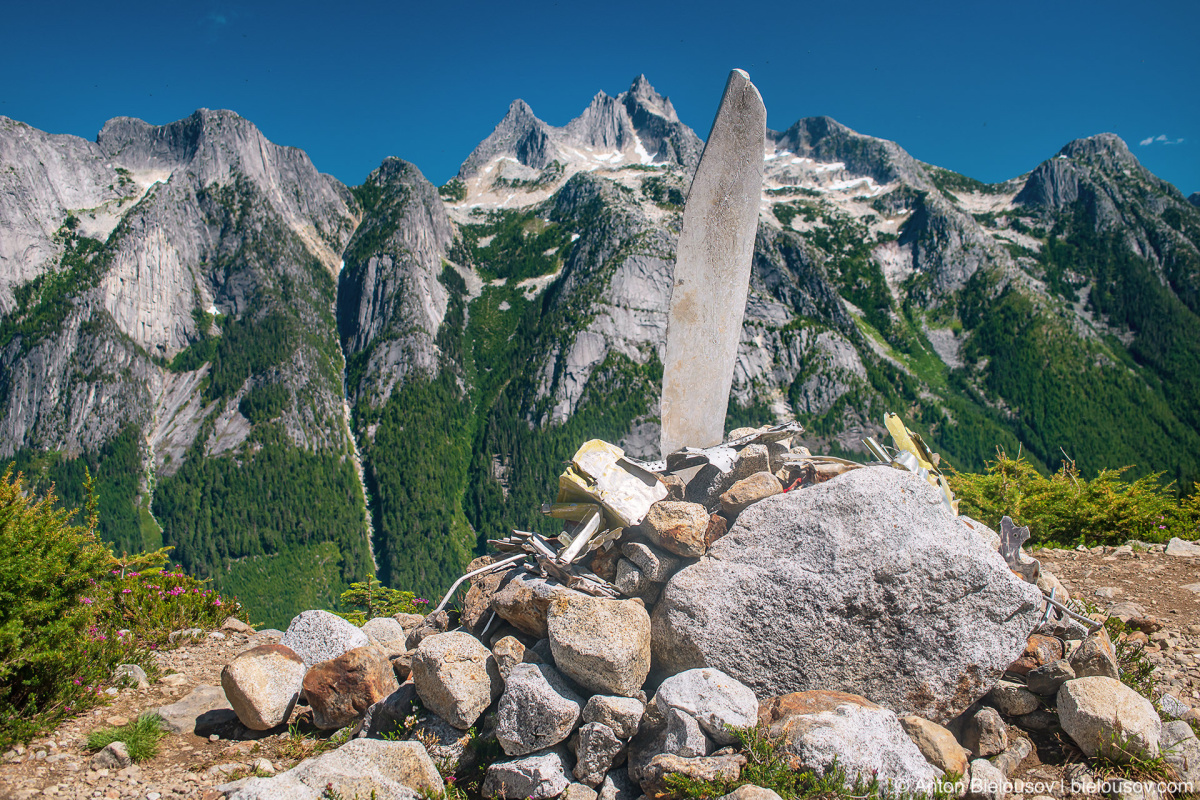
715	700
1039	651
537	710
1106	717
318	636
342	689
376	768
601	644
538	776
263	684
456	677
937	615
630	580
508	652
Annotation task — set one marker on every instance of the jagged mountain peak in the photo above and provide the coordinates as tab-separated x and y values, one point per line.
642	94
1194	198
839	150
638	126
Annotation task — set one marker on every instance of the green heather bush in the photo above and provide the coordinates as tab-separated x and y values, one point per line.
1067	509
70	612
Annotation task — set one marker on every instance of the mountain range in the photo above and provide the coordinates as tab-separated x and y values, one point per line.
296	383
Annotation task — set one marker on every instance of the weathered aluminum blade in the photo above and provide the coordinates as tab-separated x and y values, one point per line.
712	271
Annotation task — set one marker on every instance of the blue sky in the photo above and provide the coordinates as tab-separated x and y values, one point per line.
989	90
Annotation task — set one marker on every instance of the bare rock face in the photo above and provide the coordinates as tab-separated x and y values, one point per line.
857	584
342	689
602	644
262	684
456	677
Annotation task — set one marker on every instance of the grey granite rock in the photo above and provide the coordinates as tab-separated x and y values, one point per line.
867	578
318	636
597	752
1104	716
684	736
263	684
456	677
622	714
538	776
537	710
602	644
715	700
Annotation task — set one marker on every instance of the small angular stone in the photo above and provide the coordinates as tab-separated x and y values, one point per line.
985	734
678	527
718	526
578	791
717	701
508	652
537	710
456	677
1013	699
538	776
618	786
342	689
1045	680
522	601
598	750
758	486
113	756
655	565
684	736
1095	657
986	782
630	581
622	714
131	674
1039	651
937	745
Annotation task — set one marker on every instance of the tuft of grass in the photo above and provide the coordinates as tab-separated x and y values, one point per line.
141	737
1066	508
1118	759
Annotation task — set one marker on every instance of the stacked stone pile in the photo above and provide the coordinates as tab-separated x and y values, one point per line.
854	616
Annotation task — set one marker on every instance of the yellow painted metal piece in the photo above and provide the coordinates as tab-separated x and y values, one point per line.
600	474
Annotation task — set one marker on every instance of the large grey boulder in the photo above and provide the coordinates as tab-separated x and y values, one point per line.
864	742
537	710
715	700
864	584
387	634
1106	717
262	684
318	636
534	777
456	677
601	644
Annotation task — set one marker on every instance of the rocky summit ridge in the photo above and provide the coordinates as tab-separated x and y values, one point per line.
204	320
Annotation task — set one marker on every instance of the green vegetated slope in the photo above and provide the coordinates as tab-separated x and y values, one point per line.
244	516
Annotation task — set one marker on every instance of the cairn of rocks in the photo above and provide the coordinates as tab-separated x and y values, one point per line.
845	608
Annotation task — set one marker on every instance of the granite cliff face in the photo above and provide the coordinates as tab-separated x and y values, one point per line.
201	307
